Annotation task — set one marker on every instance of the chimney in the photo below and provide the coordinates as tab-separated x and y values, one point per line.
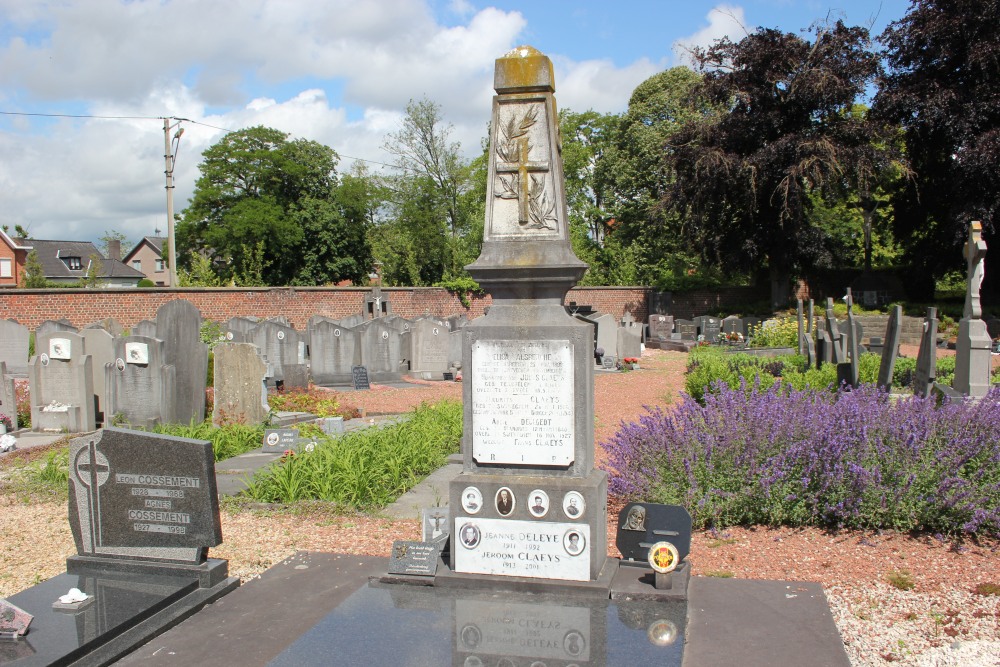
115	250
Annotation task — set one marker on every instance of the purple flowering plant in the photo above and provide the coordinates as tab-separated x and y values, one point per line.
785	456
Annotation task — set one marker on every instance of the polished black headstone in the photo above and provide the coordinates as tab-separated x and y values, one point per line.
641	525
359	376
280	439
415	558
143	495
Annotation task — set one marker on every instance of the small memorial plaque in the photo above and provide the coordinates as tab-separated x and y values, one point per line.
280	439
415	558
522	548
359	378
14	621
643	525
435	523
663	557
522	402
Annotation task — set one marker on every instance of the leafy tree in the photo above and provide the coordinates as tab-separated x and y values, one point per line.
199	273
743	178
109	237
93	278
34	273
941	85
266	209
19	231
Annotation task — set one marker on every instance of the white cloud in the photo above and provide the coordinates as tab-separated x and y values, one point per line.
723	21
339	72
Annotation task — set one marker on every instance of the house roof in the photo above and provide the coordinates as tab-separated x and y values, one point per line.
154	242
52	254
16	244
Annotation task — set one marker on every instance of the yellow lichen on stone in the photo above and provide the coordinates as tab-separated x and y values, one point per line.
524	69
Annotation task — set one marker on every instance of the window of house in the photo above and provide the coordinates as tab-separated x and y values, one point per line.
137	264
6	268
73	263
159	265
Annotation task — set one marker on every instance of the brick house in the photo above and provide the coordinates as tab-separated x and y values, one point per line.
147	258
66	262
13	254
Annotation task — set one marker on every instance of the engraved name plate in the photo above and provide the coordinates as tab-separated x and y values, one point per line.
522	402
522	548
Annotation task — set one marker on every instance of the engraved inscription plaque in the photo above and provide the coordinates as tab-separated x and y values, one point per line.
522	402
523	548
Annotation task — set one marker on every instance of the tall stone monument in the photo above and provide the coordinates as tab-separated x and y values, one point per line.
972	349
528	502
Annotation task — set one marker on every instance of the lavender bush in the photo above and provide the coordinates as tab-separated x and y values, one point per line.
853	459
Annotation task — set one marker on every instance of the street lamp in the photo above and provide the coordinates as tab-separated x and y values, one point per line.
170	156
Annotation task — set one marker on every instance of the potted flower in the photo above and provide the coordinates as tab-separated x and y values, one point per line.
6	424
630	363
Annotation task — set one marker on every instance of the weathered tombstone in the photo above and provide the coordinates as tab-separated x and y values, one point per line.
926	372
53	326
381	350
687	329
279	344
847	371
109	324
334	350
709	327
429	343
457	322
8	396
237	329
145	328
660	327
455	339
890	348
14	344
296	376
750	324
178	325
352	321
824	348
799	319
140	387
972	348
240	393
528	390
100	345
838	341
629	344
61	384
606	333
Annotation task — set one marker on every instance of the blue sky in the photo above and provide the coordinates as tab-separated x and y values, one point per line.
336	71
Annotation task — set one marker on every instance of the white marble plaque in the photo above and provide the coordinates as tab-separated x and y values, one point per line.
513	548
522	402
536	631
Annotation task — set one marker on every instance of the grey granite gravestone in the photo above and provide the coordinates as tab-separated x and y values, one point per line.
890	348
629	343
14	343
528	364
847	371
687	329
352	320
429	343
334	350
838	341
279	344
52	326
381	350
178	325
809	350
61	384
141	387
8	396
240	393
732	325
972	346
144	328
926	372
799	316
457	322
455	349
709	327
296	376
100	345
660	327
237	329
109	324
606	333
750	324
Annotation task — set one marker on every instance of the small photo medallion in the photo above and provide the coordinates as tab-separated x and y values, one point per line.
472	500
573	505
538	503
281	335
43	359
574	542
663	557
469	535
120	364
505	501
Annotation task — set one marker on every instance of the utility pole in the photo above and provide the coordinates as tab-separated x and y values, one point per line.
170	155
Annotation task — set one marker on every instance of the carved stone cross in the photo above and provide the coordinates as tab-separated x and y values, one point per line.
975	253
524	167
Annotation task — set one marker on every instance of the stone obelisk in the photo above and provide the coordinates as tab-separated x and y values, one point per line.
528	502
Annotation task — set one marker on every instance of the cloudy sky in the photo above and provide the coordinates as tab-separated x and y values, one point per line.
84	83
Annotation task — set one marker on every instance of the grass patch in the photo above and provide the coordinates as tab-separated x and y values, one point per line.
227	441
986	588
38	476
314	401
365	469
901	579
720	574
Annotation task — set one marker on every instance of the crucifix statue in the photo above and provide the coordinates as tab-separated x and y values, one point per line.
516	170
975	253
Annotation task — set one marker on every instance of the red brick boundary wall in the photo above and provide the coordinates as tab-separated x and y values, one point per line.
298	304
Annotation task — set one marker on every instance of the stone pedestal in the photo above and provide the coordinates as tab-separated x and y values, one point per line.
972	358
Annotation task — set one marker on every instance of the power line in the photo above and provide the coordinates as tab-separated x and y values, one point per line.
186	120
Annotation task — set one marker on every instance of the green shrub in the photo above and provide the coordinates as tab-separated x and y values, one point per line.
784	334
227	441
146	282
368	468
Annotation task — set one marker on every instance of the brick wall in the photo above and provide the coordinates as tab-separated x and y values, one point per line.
298	304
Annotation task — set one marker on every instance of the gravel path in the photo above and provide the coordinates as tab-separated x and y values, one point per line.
939	622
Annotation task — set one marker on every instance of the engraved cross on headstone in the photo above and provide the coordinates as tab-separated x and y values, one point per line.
517	131
92	470
975	253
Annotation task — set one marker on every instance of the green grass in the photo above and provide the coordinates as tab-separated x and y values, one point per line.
227	441
40	476
365	469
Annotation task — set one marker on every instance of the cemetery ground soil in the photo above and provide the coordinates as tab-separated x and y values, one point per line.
940	621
